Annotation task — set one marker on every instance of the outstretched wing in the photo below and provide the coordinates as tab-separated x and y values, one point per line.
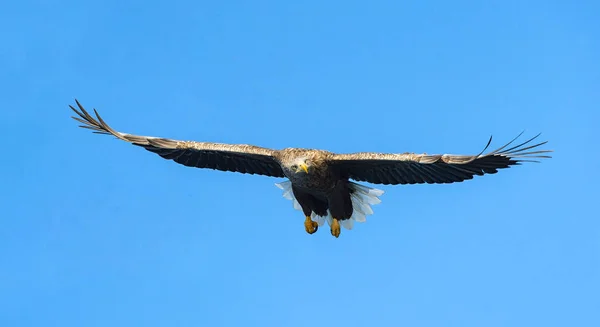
411	168
247	159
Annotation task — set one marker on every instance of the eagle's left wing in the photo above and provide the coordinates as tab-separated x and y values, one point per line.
242	158
411	168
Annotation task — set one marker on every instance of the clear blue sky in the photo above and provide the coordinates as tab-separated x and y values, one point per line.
96	232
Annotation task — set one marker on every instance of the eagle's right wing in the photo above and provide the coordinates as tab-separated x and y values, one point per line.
413	168
242	158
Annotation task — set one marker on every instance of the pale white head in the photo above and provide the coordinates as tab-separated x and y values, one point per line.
300	165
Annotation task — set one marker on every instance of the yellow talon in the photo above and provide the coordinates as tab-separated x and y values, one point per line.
310	226
335	228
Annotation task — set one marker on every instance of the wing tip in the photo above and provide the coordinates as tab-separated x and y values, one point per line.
521	150
97	125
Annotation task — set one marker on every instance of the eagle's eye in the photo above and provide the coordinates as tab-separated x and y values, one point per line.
294	167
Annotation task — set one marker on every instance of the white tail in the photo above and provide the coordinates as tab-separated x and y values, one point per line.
362	199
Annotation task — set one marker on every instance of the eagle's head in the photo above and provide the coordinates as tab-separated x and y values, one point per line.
300	165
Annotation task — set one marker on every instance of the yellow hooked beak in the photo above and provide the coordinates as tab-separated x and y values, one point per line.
303	167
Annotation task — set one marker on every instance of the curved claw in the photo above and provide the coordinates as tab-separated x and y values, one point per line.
310	226
335	228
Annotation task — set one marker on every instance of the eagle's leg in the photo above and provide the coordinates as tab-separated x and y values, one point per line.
308	204
335	228
310	226
340	205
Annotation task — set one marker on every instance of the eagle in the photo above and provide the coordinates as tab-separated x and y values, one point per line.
320	183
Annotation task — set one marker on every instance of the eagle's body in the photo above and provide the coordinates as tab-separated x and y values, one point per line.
321	189
320	181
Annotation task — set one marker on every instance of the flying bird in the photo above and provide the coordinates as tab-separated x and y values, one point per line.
321	183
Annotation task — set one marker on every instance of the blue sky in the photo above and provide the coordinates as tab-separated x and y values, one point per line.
96	232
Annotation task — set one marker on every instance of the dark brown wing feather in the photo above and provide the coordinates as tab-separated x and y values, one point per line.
411	168
240	158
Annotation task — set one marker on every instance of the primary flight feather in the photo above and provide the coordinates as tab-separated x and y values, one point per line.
319	181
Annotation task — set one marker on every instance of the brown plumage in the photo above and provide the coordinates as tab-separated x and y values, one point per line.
319	181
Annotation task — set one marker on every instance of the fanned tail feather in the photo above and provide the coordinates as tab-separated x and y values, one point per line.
288	194
362	198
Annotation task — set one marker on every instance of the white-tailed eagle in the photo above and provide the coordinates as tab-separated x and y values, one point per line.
319	182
